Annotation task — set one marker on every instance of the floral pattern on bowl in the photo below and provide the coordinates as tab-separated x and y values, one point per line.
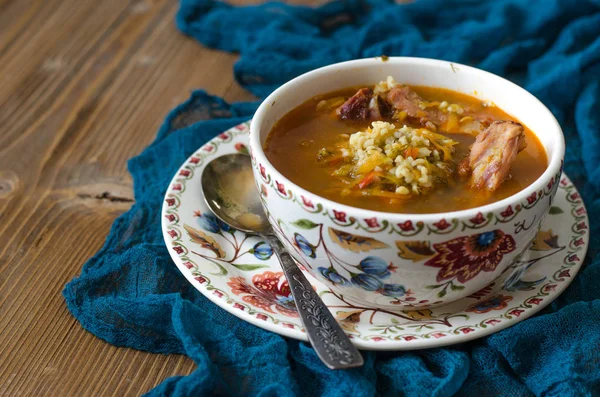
456	256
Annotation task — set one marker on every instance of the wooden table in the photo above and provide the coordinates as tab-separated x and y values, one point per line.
84	86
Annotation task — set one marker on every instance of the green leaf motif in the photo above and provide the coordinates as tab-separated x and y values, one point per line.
456	287
305	224
248	268
555	211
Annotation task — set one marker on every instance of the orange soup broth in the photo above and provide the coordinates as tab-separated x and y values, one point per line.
295	140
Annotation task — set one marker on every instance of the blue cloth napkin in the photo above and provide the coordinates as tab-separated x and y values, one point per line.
131	294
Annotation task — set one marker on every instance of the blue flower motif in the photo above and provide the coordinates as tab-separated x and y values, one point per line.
333	276
209	222
262	251
485	239
306	247
366	282
375	266
225	227
393	290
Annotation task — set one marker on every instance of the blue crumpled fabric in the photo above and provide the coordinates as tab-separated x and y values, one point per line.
131	294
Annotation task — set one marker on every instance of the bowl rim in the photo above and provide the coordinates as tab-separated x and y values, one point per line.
554	165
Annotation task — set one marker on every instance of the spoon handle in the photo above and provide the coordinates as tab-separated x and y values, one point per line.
324	333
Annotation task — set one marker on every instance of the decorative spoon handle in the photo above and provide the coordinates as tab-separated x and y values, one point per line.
324	333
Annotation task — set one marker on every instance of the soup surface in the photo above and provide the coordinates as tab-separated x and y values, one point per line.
314	146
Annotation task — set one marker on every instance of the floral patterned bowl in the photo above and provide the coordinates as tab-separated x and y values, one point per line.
389	260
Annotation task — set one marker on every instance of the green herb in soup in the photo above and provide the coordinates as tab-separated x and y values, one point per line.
397	148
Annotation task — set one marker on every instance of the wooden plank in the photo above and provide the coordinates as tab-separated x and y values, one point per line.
85	87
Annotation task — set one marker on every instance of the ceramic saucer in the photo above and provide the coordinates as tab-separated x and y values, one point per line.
240	273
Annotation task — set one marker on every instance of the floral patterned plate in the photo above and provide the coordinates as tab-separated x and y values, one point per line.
240	274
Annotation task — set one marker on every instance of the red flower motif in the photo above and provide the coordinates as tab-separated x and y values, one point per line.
573	258
507	212
442	224
261	316
377	339
184	173
531	199
240	127
288	325
177	186
438	335
178	249
372	222
172	233
550	287
575	196
580	211
280	187
466	330
218	293
170	217
268	290
406	226
307	202
535	301
262	171
564	182
516	312
200	279
208	148
194	160
263	190
339	216
497	302
240	147
409	338
492	322
170	201
581	226
410	299
189	265
465	257
578	242
197	213
551	183
223	136
479	219
238	306
564	273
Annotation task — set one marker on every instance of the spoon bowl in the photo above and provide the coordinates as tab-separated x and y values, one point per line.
230	193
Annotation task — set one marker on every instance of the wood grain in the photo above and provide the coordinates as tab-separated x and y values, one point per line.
84	85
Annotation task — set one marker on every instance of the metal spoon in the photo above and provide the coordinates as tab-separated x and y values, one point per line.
231	195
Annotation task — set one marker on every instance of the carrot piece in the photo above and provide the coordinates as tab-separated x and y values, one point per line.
411	152
367	180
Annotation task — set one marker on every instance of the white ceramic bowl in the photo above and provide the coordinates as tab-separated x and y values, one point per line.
391	260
